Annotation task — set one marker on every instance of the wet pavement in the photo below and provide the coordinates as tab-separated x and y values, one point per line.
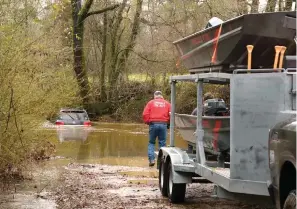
103	166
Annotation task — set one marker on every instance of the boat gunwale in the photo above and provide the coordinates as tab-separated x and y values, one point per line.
226	22
206	29
204	117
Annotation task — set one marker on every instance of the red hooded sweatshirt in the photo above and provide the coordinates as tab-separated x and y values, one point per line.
157	110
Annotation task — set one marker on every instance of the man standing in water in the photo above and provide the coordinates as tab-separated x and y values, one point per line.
156	115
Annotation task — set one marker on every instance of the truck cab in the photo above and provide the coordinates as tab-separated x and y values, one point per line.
282	164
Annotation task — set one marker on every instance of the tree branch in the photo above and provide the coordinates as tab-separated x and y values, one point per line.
9	111
83	12
102	10
146	22
149	60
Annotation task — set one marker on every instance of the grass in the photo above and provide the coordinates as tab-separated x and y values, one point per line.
138	77
141	77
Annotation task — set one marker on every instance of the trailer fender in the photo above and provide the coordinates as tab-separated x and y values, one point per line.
176	156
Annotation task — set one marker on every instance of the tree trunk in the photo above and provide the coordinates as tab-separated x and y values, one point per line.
242	5
103	96
270	6
79	14
280	5
255	6
114	50
288	6
79	61
125	54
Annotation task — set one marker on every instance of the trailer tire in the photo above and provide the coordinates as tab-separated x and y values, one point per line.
290	202
176	192
163	178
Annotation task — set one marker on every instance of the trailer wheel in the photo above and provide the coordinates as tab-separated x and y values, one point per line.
163	178
290	202
176	192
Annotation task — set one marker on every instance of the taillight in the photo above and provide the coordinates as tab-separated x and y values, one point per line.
58	123
273	138
87	123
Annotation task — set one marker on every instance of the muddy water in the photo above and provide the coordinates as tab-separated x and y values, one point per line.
105	143
73	181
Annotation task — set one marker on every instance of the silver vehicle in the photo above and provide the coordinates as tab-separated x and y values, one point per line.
73	117
262	94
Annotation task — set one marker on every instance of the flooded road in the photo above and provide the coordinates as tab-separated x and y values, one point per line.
103	166
105	143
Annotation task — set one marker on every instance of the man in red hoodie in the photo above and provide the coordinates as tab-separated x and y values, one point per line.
156	115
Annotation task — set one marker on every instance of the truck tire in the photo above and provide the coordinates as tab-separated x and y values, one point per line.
163	178
176	192
290	202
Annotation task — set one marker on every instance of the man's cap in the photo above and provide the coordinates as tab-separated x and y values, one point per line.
158	93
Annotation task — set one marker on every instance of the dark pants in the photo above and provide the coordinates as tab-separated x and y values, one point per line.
156	130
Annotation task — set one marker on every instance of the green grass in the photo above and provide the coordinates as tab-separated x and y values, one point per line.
144	77
138	77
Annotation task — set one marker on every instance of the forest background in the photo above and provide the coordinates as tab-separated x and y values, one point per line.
106	56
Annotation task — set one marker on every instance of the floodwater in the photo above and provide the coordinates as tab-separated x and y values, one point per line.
103	166
103	143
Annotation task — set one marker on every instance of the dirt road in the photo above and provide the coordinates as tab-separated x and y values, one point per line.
115	187
64	183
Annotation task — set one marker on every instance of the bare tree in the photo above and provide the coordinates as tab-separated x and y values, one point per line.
289	4
119	57
103	95
243	9
255	6
270	7
79	14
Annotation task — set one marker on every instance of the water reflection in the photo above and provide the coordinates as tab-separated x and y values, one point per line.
78	133
84	150
106	143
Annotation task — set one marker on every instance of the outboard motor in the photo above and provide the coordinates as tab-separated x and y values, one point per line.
215	107
213	22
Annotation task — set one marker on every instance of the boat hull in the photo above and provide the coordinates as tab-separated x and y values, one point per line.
216	131
263	31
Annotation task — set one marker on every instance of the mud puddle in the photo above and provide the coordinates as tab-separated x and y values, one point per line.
93	186
33	192
103	143
99	186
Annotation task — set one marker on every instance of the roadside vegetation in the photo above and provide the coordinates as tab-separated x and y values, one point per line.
106	56
36	79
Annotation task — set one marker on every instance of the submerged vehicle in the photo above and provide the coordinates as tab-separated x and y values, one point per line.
258	63
73	124
73	117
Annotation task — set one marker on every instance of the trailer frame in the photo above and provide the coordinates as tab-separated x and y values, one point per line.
185	166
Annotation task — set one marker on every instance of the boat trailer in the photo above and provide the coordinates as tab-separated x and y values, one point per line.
259	99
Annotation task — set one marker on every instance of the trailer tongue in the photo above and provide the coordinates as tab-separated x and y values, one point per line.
224	50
